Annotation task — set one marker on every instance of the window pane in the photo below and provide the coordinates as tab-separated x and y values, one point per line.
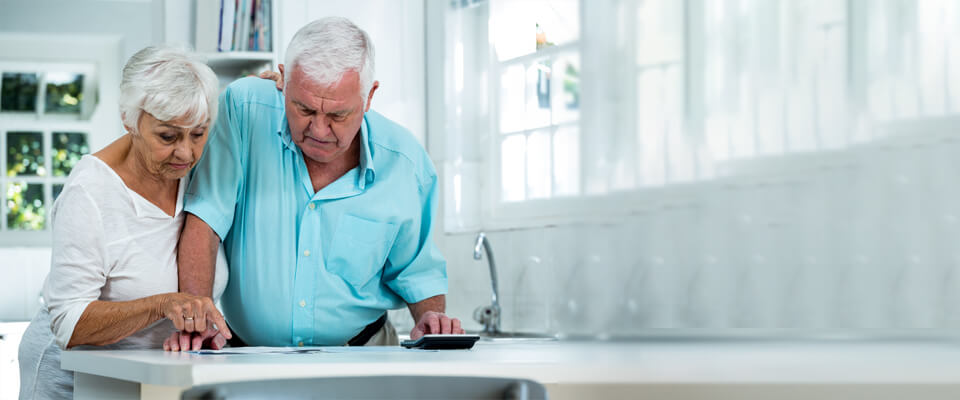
25	206
566	161
68	147
64	93
19	92
512	168
25	154
520	27
566	89
57	188
652	123
511	99
659	32
538	95
538	165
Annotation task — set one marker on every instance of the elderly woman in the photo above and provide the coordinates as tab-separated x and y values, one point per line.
113	276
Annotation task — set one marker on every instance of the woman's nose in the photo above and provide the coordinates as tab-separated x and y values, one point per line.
182	151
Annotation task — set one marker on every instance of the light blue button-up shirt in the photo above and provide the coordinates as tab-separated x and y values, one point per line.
305	267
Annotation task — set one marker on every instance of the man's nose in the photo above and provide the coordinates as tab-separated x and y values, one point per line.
319	126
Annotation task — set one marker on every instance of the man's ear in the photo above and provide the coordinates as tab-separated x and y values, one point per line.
280	82
373	88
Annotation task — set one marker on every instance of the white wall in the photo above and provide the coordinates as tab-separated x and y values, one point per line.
140	22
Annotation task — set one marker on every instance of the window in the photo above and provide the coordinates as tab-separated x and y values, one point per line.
596	105
537	60
44	131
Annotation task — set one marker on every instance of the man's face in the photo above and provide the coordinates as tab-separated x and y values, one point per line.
324	120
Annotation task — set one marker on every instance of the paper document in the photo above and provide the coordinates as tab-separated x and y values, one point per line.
302	350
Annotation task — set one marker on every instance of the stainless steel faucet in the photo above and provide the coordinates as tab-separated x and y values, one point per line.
489	316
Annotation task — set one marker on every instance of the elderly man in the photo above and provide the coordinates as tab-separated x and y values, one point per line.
325	208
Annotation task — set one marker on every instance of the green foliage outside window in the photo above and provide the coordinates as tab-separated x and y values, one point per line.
25	209
25	154
67	149
64	94
18	92
57	188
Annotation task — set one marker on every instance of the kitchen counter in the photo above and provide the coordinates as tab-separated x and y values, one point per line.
679	369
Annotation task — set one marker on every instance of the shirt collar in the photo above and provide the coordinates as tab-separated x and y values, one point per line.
367	171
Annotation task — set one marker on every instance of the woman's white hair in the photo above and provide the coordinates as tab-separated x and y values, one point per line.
327	48
170	84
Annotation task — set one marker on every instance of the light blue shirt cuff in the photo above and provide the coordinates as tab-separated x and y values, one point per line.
422	290
208	213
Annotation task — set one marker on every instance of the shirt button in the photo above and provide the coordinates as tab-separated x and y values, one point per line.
306	253
303	303
312	206
300	344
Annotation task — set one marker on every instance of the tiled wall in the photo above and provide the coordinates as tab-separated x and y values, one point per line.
863	238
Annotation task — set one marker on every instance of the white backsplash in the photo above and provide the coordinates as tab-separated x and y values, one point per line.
864	238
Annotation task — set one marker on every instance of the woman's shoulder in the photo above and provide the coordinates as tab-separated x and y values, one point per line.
94	178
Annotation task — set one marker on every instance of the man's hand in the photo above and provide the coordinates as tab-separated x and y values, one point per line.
186	341
432	322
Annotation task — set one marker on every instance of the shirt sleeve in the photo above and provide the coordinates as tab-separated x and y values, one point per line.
423	275
216	180
78	263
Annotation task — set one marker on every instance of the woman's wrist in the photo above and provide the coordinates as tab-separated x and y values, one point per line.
158	305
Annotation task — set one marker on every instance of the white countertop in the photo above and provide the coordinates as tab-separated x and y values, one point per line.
639	362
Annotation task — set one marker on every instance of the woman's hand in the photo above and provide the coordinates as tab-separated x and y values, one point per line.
191	313
274	76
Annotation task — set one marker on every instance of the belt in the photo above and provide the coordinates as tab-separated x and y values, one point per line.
361	339
364	336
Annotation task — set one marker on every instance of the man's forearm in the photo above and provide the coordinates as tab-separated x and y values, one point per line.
197	257
436	303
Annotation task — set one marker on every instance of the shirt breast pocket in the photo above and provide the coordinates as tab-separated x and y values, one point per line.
359	248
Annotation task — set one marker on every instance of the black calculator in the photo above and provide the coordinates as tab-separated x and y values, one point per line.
441	342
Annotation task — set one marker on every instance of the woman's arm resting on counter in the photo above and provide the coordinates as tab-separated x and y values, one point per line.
106	322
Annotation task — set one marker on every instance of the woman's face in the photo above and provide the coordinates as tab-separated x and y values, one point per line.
169	149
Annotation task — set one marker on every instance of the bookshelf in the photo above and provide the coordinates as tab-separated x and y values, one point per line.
246	45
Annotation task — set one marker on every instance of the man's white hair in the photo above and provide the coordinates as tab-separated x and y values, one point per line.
169	83
327	48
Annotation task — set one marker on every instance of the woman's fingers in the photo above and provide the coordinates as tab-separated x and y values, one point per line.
200	314
216	318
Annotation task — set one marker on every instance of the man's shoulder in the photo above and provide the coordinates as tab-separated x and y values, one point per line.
255	90
393	137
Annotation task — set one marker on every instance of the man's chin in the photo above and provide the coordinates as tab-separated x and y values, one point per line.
319	156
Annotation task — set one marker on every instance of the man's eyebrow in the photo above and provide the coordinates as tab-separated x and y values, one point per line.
341	112
302	105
